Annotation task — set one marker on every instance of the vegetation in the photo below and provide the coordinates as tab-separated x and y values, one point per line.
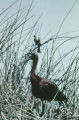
16	42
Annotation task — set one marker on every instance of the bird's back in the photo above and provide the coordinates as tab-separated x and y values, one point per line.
51	91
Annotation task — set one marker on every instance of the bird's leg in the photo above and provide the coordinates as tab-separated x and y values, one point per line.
43	108
38	48
37	105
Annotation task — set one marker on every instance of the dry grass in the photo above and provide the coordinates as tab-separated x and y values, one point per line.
16	42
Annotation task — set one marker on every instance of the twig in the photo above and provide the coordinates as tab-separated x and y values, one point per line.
3	116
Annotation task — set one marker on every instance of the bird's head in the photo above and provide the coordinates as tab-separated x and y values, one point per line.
34	36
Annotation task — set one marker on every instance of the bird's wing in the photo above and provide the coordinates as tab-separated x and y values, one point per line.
48	87
48	82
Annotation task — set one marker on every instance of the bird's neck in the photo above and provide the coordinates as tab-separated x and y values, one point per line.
34	66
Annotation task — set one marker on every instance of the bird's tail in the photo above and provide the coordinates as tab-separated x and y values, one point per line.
61	97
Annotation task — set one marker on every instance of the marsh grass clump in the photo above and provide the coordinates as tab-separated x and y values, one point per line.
16	43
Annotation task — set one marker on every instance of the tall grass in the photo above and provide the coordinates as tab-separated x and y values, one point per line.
16	42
